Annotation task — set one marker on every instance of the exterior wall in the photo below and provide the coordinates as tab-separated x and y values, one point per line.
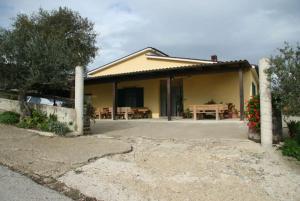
102	94
197	89
139	63
255	80
9	105
66	115
247	85
250	76
151	93
221	87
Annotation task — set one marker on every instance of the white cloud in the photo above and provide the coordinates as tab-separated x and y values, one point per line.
237	29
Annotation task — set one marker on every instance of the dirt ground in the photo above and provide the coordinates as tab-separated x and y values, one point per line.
45	156
208	162
189	169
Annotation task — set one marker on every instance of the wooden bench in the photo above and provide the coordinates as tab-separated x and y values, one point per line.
104	113
216	109
124	112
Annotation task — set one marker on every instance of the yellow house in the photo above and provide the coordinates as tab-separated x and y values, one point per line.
168	85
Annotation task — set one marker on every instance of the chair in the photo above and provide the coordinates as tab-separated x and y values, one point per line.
105	113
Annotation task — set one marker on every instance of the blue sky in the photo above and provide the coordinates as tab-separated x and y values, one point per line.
236	29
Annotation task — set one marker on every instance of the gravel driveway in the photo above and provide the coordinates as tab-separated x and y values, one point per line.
189	169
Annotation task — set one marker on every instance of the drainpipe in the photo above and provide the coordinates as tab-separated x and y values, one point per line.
79	87
265	104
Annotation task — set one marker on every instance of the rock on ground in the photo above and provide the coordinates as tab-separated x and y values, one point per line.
177	170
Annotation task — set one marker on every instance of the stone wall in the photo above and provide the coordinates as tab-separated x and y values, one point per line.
66	115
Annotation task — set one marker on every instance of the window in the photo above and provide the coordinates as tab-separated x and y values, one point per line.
131	97
253	89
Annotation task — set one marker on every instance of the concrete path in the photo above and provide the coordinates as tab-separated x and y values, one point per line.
16	187
180	129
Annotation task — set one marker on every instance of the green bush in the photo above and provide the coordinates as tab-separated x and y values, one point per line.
58	127
9	118
52	117
36	120
27	122
291	148
38	117
39	120
294	129
43	126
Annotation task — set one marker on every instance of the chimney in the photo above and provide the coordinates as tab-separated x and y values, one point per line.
214	58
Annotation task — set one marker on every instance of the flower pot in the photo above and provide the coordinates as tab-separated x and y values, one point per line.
235	115
253	135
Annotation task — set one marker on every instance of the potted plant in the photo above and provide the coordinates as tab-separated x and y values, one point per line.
187	114
232	111
253	116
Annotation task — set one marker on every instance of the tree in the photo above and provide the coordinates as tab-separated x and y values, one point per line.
284	74
42	49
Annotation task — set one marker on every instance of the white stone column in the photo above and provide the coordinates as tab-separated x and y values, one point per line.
79	89
265	104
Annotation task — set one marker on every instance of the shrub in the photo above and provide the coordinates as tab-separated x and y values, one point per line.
26	123
38	117
39	120
43	126
291	148
294	128
253	113
52	117
58	127
9	118
36	120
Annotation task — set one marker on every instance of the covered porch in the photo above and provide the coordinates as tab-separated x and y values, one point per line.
191	92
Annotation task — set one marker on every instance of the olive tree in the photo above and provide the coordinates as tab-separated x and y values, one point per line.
42	49
284	74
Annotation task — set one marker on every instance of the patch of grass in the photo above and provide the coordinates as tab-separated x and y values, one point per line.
9	118
291	148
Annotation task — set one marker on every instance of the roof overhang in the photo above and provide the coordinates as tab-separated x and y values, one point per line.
220	67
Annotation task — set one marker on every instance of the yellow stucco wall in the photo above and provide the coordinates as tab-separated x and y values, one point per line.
102	94
151	93
138	63
198	89
222	87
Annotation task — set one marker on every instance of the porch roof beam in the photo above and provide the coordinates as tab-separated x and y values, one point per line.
241	93
115	100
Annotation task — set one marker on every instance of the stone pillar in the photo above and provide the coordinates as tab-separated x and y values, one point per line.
265	104
79	98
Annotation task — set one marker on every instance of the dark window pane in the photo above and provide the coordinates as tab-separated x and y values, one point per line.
131	97
253	89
